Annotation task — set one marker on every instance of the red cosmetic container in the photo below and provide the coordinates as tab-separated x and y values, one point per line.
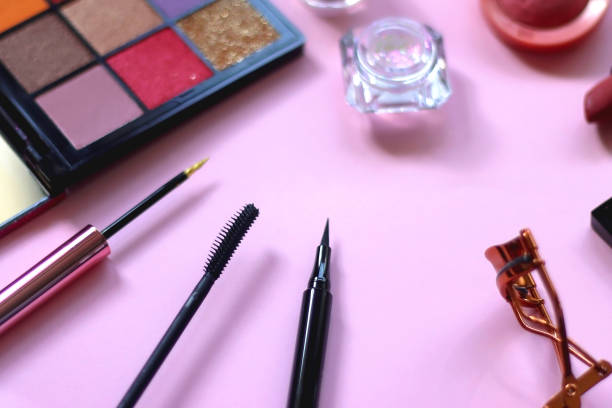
543	25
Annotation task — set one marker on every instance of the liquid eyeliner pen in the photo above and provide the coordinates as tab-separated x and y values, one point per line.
312	332
73	258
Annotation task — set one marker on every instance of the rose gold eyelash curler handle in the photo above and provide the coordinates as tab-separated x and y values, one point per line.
514	261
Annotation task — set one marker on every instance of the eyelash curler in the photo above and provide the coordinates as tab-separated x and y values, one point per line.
514	262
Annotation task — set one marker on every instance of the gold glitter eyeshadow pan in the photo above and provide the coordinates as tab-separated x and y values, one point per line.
83	82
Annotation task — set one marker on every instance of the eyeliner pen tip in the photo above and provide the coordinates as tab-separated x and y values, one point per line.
325	239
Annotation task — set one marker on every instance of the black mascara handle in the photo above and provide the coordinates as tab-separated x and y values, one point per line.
168	341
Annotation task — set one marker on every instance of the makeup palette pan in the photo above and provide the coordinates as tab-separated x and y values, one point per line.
84	81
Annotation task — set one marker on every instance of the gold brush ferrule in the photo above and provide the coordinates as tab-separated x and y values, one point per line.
189	171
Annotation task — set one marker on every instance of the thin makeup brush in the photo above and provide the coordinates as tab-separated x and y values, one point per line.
223	248
74	257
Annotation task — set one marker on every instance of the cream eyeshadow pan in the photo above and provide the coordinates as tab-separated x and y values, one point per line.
19	188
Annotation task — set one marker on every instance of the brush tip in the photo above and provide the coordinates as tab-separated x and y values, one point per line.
189	171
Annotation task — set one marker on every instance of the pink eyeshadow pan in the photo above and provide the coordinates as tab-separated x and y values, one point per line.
89	106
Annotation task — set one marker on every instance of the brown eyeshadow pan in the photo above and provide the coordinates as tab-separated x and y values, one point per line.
108	24
42	52
228	31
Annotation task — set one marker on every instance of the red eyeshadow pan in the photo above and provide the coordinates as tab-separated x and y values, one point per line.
159	68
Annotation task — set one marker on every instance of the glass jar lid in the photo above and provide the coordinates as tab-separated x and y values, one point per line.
396	49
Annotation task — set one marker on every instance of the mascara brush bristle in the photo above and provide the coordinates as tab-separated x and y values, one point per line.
228	240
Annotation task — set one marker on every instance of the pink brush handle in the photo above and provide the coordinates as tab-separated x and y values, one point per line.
75	256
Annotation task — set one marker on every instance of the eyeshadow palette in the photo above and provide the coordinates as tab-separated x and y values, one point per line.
84	81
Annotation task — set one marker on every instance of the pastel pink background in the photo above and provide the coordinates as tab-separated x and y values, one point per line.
422	323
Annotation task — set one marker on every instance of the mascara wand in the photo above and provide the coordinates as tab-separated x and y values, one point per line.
223	248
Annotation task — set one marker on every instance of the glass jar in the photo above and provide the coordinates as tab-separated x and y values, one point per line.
394	65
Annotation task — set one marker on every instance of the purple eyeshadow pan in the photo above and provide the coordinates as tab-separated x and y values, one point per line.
175	8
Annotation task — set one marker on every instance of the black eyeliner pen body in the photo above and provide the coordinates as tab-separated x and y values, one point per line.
312	333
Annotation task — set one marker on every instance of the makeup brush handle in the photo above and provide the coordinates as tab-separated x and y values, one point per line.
75	256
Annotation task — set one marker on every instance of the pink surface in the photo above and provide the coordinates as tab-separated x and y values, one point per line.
423	325
89	106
